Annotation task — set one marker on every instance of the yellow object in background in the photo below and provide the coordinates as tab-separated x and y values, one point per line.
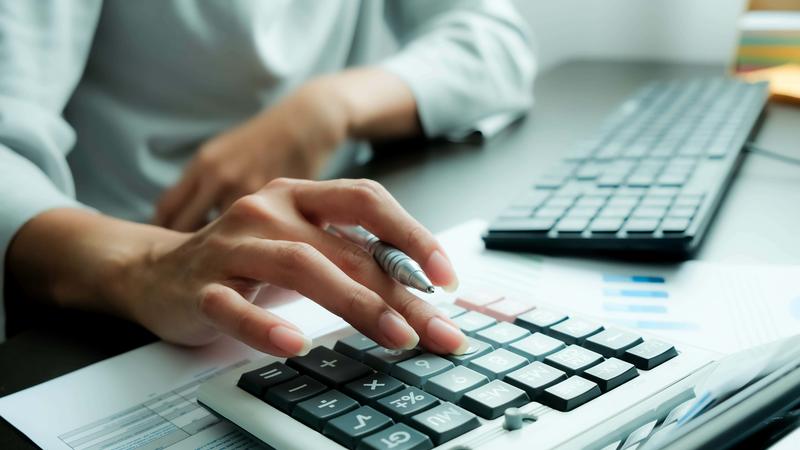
784	81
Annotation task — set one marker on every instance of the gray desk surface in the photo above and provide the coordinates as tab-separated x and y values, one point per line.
446	184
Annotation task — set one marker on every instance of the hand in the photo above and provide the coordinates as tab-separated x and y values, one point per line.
293	139
191	287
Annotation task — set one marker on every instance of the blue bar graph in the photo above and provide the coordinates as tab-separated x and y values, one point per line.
612	278
641	293
633	308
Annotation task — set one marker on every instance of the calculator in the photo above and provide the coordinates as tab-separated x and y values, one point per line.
534	376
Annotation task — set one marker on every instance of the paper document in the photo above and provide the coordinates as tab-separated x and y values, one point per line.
146	398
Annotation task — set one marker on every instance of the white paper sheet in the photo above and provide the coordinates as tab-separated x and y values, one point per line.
145	398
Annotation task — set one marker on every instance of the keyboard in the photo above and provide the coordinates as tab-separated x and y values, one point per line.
649	180
530	375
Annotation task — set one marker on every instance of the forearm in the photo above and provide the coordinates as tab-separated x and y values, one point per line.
78	259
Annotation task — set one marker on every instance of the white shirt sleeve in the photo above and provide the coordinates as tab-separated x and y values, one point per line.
469	63
43	49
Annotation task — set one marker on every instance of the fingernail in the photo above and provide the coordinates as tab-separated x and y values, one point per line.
447	335
439	269
398	331
289	340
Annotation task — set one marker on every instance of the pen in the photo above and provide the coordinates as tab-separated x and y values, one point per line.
394	262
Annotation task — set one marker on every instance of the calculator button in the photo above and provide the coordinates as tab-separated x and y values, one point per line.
372	387
397	437
612	342
574	331
498	363
606	225
354	346
257	381
445	422
450	310
476	348
570	393
508	309
536	346
285	395
650	354
477	301
404	404
417	370
572	225
382	358
491	400
473	321
315	411
328	366
539	319
452	384
502	334
535	378
674	225
574	359
611	373
350	428
644	225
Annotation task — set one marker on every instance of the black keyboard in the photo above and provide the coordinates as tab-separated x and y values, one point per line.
649	180
365	396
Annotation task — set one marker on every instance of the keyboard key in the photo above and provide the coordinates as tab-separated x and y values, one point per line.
354	346
491	400
445	422
539	319
452	384
417	370
537	224
450	309
404	404
350	428
611	373
372	387
574	359
397	437
573	330
675	225
536	346
612	342
548	216
575	225
257	381
649	212
328	366
641	225
473	321
606	225
508	309
477	301
315	411
649	354
535	378
285	395
382	358
681	212
476	348
497	363
570	393
502	334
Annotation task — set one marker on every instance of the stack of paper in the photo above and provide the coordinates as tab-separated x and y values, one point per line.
768	38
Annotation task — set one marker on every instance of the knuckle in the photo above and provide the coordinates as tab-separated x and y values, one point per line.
297	255
251	206
368	191
359	301
210	302
353	260
280	182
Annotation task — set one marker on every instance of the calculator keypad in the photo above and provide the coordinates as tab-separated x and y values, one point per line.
366	396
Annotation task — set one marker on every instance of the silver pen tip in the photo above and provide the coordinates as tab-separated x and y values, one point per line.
419	281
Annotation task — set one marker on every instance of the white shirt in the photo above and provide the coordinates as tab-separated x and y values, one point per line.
103	103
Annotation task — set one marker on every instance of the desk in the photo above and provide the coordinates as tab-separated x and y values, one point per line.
445	184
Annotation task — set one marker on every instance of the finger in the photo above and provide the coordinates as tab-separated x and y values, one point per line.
437	333
194	214
227	311
299	266
171	201
367	203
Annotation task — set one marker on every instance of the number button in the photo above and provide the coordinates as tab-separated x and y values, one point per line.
416	370
397	437
354	346
452	384
574	359
497	363
476	348
382	358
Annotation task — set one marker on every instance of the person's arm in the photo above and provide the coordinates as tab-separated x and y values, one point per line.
43	50
464	60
